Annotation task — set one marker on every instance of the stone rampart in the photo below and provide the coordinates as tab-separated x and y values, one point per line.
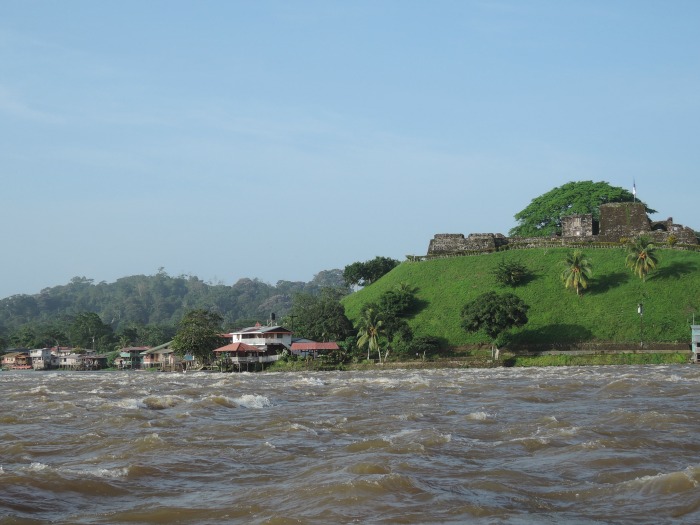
449	243
618	222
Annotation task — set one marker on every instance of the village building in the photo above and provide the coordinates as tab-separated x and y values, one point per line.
44	358
91	360
130	357
160	357
17	360
253	346
308	348
68	359
271	338
239	356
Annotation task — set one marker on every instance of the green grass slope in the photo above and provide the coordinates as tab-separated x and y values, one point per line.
606	312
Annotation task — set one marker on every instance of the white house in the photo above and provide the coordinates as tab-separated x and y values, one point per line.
270	338
43	359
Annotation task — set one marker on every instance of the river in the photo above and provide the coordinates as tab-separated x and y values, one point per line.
580	445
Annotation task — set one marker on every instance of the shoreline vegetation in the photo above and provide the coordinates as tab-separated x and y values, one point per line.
483	359
474	359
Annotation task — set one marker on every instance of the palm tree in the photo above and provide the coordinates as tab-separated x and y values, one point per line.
641	256
578	270
370	328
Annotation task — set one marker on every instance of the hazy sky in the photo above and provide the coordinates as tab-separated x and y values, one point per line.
230	139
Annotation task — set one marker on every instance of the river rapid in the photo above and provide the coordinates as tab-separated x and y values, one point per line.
494	446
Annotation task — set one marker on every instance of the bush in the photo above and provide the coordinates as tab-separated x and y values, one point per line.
424	346
510	273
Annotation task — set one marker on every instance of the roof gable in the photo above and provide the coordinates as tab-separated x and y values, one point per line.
239	347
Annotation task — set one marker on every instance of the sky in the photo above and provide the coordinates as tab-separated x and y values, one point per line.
275	139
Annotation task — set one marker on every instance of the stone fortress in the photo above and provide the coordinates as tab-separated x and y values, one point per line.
618	222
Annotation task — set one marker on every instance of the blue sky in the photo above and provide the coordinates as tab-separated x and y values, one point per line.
273	140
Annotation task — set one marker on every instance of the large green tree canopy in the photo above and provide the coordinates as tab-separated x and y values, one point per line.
199	332
365	273
494	314
320	318
542	217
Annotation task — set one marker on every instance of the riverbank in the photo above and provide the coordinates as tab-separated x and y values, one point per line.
506	359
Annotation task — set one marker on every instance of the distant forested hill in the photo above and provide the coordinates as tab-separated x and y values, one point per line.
155	300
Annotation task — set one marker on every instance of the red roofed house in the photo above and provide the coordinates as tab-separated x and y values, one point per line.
235	355
274	338
313	349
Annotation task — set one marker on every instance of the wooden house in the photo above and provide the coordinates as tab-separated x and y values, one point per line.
18	360
161	357
313	349
68	359
237	356
91	360
130	357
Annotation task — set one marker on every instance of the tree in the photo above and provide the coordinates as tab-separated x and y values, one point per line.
393	307
370	328
365	273
494	313
199	332
88	331
423	346
510	273
641	256
542	217
577	271
330	279
23	337
320	318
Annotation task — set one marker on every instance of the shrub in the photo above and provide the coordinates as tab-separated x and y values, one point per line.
510	273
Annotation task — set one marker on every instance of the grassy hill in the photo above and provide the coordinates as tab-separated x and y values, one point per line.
606	312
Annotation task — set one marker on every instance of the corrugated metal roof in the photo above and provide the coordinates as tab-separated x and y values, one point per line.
315	346
262	330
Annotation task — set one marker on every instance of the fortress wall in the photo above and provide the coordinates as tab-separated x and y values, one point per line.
617	221
577	225
623	220
446	243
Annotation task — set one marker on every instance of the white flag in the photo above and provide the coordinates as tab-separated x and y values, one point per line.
634	189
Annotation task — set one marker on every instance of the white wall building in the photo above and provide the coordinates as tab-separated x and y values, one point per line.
264	337
43	359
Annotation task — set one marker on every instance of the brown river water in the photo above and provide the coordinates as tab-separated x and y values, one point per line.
488	446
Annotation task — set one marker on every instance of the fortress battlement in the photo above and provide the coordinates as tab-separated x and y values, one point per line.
618	222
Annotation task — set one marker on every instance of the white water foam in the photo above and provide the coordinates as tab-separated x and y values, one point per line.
253	401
